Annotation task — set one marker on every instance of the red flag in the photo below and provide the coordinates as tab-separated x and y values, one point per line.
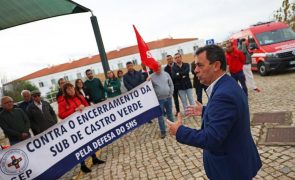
144	51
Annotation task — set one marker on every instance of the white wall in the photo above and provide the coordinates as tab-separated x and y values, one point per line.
187	48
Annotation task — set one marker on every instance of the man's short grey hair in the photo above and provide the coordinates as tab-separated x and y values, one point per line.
25	91
5	97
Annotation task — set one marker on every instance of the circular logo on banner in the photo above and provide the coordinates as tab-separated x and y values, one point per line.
13	162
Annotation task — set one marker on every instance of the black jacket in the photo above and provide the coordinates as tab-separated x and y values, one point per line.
41	120
168	69
131	80
180	76
23	105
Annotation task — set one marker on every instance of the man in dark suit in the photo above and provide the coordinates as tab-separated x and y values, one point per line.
229	150
168	68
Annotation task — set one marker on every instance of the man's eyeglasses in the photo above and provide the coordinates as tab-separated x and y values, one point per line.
36	95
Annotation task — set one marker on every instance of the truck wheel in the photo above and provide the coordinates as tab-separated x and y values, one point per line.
262	69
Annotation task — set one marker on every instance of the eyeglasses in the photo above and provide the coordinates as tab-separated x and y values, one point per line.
36	95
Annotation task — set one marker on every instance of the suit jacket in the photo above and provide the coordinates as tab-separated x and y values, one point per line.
41	120
229	150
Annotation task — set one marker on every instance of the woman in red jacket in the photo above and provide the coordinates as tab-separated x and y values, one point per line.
69	104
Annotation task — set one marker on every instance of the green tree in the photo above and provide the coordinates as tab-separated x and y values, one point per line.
286	13
15	88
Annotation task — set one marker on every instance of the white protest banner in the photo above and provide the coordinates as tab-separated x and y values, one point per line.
52	153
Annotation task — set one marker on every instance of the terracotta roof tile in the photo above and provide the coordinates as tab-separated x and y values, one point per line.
110	55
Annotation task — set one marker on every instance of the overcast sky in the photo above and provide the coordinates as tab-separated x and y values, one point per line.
31	47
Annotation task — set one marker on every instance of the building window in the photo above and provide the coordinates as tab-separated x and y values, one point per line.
41	84
120	65
195	48
164	54
53	81
134	61
79	76
180	51
66	78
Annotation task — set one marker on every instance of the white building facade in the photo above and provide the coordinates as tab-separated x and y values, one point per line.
47	82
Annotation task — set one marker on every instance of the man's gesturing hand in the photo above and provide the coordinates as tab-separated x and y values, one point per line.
173	126
194	110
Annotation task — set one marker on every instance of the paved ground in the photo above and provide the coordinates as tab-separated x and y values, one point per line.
143	155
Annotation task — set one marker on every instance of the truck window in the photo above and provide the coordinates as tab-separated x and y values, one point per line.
275	36
252	42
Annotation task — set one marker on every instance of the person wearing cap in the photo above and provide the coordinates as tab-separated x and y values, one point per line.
41	114
14	121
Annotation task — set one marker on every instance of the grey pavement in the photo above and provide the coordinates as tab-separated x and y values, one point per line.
142	154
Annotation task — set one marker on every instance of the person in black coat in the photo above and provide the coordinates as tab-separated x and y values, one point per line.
169	69
132	78
41	114
182	82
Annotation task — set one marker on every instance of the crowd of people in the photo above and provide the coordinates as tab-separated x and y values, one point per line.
171	82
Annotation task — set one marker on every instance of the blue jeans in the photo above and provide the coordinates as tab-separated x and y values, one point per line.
240	77
165	104
186	93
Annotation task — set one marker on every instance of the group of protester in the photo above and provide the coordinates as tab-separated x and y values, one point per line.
172	81
33	113
38	115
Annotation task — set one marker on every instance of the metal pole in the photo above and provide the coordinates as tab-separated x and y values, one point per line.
102	53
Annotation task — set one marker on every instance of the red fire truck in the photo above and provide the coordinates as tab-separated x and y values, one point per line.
271	45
